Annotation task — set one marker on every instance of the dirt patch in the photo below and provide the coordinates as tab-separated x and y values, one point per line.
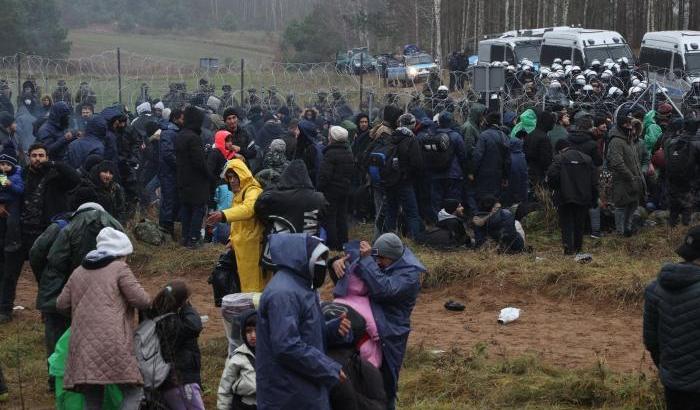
564	333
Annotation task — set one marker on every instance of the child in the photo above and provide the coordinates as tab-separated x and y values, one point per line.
178	335
223	198
11	189
237	386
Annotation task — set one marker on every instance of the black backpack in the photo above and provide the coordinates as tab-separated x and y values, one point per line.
438	152
679	159
224	278
383	163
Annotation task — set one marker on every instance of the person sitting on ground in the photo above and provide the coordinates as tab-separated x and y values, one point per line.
392	275
178	334
672	322
237	386
499	225
449	231
101	297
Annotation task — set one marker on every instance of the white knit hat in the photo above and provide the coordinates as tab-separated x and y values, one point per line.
338	134
113	242
143	108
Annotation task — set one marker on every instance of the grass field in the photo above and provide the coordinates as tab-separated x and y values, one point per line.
256	47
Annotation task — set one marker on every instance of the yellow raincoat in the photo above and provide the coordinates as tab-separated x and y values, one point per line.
246	229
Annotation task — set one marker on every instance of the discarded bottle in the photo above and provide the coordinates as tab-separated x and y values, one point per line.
508	315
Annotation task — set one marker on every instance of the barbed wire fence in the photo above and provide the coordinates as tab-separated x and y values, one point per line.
120	76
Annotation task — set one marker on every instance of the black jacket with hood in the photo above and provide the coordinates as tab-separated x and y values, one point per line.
672	325
294	199
178	335
538	148
335	174
192	173
574	178
582	140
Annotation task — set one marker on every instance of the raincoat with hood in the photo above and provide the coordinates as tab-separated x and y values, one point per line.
293	371
652	131
528	121
246	228
91	144
52	132
217	158
392	292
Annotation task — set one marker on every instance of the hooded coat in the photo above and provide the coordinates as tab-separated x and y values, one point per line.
491	161
91	144
309	149
652	131
270	131
623	164
52	132
335	174
582	140
58	251
217	158
294	199
238	378
101	297
392	292
517	178
471	129
192	173
672	325
246	229
292	369
527	123
538	148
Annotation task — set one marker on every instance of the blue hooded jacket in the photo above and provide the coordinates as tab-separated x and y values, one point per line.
167	166
91	144
292	369
517	180
52	132
459	162
392	293
110	140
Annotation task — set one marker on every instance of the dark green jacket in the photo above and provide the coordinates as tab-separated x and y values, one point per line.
61	248
625	167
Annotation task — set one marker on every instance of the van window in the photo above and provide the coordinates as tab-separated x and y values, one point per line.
692	63
510	57
578	57
497	53
658	60
678	62
548	53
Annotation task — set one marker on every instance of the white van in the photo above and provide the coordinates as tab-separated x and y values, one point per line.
582	46
672	58
512	50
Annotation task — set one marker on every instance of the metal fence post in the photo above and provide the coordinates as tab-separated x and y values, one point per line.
119	74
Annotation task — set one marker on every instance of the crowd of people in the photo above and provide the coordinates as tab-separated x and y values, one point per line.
280	184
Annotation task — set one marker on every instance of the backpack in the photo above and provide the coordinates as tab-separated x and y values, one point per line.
224	278
273	225
383	163
438	152
150	233
678	158
153	367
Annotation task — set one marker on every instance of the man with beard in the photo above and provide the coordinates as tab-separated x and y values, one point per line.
241	138
46	187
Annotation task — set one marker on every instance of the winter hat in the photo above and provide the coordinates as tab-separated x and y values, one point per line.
450	205
9	159
389	246
159	106
91	205
213	103
391	115
407	120
231	111
114	243
690	249
193	118
445	119
338	134
665	110
278	145
143	108
6	119
91	161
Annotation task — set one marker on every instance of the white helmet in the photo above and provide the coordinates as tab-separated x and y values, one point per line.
556	67
614	92
580	80
567	62
556	61
588	87
606	75
443	88
636	82
595	62
555	84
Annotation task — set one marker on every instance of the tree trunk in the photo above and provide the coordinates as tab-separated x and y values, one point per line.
686	14
505	11
565	12
437	5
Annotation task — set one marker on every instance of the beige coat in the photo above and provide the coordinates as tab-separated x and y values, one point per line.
101	303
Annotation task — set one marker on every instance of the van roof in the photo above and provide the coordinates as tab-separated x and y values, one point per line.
598	37
685	37
510	40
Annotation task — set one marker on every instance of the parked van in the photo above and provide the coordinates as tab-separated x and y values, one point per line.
512	49
672	58
582	46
